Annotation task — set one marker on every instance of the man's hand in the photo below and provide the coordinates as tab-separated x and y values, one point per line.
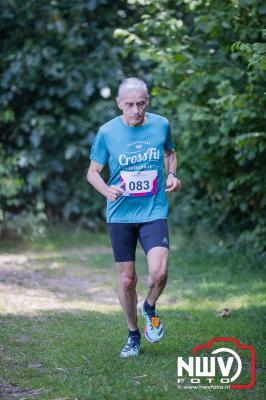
173	184
114	191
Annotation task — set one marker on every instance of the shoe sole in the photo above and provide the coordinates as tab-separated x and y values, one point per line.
152	341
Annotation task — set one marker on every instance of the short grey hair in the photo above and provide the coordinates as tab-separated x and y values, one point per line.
132	83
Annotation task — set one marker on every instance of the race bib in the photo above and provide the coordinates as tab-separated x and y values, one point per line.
139	183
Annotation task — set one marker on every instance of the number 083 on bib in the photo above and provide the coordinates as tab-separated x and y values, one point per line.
139	183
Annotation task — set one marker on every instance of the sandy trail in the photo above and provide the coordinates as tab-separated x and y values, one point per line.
31	282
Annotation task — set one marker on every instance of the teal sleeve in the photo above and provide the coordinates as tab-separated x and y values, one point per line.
99	152
169	143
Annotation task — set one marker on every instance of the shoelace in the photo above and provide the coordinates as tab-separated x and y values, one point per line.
151	314
132	342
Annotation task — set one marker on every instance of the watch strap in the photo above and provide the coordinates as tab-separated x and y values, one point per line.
172	173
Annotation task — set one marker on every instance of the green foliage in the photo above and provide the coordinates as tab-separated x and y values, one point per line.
59	64
255	53
216	106
28	222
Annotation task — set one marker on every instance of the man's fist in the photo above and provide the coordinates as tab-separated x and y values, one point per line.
114	191
173	184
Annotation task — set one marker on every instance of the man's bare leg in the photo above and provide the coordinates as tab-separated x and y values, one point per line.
127	292
157	263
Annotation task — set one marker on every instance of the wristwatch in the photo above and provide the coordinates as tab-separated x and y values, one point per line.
172	173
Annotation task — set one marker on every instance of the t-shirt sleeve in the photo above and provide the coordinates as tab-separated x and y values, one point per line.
99	152
169	143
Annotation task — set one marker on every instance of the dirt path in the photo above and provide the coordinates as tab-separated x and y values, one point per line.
31	282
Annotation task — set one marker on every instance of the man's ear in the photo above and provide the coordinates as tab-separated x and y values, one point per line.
118	103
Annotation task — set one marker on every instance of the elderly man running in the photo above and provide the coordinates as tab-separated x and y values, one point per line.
136	145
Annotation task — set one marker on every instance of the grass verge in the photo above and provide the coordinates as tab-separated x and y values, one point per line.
61	326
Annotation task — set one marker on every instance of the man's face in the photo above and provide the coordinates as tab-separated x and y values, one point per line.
133	103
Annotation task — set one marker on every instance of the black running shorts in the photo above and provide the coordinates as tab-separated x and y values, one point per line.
124	237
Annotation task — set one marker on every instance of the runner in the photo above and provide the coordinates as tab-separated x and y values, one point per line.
137	146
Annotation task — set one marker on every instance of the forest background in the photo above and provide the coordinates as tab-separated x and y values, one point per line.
204	63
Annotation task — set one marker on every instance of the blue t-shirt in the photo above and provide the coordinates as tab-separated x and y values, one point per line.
135	156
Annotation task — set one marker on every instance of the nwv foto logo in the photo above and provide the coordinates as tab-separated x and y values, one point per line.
223	363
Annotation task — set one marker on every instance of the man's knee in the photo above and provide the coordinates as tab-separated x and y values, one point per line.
159	277
127	281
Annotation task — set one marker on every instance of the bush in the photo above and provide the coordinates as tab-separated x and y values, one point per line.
216	106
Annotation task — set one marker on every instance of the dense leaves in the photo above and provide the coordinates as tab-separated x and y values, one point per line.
61	63
216	105
59	67
255	53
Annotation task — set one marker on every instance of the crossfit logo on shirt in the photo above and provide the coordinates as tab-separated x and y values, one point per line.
151	154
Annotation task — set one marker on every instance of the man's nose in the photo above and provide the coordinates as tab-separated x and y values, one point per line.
135	109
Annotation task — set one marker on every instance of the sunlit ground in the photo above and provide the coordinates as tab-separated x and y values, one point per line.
86	279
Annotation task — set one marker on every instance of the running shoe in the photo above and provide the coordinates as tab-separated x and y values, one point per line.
132	348
153	330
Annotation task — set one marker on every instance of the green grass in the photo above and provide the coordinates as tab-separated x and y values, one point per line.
70	350
58	238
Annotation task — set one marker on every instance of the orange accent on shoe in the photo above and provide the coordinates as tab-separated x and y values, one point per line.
155	322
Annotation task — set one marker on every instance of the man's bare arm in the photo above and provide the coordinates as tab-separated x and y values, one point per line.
95	179
173	184
170	161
